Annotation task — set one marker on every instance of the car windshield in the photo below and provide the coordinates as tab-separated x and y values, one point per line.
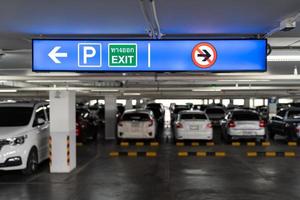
136	117
215	111
245	116
294	114
15	116
192	116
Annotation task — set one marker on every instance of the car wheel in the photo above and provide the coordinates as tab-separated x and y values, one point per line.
32	163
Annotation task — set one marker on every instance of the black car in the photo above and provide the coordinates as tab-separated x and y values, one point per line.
86	128
158	111
263	111
175	112
215	114
199	107
285	123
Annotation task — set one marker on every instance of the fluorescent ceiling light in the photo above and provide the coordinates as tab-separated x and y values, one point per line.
7	90
53	81
105	90
283	58
207	90
131	94
243	80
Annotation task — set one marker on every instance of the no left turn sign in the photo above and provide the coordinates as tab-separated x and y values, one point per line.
204	55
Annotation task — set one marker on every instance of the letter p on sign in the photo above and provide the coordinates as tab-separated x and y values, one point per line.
89	55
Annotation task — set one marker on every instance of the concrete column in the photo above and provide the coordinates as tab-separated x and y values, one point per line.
272	106
110	117
62	131
138	103
247	102
128	104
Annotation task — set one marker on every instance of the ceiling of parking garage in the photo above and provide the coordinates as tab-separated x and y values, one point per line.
23	20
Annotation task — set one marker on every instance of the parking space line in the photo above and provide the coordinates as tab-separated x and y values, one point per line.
154	144
220	154
292	144
271	154
251	144
124	144
113	154
210	144
202	154
236	144
151	154
251	154
179	144
183	154
265	144
195	144
289	154
140	144
132	154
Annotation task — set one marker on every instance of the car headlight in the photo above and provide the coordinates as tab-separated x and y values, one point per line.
17	140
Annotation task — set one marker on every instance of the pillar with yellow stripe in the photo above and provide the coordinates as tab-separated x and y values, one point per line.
62	131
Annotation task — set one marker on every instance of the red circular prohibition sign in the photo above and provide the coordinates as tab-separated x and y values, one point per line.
209	54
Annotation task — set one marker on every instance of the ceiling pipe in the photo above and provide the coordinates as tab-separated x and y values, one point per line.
151	18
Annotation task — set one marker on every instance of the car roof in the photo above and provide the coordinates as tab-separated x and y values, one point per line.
215	107
243	110
191	112
22	104
138	111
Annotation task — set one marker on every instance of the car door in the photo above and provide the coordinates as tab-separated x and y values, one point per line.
43	131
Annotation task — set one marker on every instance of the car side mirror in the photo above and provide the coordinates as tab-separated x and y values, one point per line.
40	121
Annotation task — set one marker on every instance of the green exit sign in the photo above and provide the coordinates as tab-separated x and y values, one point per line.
122	55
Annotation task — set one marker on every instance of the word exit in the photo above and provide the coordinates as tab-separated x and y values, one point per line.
122	55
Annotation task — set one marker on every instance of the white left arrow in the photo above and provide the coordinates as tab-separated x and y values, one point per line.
54	54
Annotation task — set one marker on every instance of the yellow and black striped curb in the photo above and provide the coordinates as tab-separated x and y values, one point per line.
68	150
133	154
251	144
292	144
271	154
139	144
202	154
50	150
194	144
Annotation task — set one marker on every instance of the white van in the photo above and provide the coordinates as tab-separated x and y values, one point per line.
24	135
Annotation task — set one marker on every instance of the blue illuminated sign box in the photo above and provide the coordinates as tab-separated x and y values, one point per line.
149	55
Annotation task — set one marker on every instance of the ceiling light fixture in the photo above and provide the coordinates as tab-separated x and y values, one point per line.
105	90
283	58
131	94
53	81
243	80
7	90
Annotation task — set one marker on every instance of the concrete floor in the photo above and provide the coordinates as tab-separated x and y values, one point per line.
166	176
